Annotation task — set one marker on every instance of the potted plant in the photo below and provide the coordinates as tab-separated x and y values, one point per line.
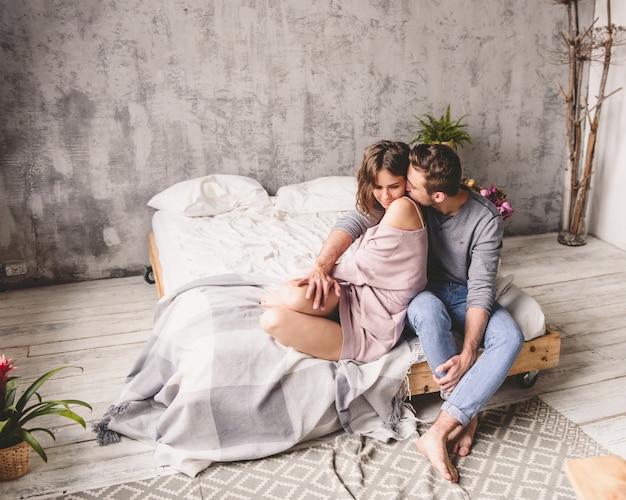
15	439
442	130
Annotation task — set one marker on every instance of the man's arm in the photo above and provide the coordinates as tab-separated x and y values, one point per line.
475	324
347	229
319	280
483	267
484	263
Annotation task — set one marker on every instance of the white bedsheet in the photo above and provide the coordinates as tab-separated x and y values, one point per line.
278	245
267	242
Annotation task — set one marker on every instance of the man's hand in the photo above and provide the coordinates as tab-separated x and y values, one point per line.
319	281
320	285
455	367
475	323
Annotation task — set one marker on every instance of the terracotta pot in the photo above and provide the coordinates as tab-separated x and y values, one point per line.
14	461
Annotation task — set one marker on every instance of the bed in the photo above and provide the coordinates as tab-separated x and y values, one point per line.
294	225
210	385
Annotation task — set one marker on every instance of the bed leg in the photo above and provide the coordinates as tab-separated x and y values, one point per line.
527	380
148	275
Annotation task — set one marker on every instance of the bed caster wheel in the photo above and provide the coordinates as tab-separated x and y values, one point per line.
148	275
527	380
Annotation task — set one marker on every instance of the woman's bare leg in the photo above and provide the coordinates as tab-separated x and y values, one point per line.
271	299
314	335
293	297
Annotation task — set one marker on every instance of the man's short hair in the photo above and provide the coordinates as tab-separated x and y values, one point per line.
440	165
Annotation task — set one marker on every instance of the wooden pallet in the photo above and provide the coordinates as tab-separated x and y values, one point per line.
536	354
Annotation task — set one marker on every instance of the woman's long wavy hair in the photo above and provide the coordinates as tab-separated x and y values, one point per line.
389	155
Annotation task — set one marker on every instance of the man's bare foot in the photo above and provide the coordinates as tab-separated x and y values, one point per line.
433	445
460	439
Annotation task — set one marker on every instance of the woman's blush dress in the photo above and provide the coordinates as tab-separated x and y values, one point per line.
387	270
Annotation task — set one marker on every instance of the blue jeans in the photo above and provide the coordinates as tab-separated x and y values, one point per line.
437	316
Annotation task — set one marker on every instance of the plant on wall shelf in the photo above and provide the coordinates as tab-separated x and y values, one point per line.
442	130
582	47
15	415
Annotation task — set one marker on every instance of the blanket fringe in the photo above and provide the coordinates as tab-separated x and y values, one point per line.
104	435
398	403
396	413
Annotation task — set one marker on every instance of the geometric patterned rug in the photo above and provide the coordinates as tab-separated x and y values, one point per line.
519	453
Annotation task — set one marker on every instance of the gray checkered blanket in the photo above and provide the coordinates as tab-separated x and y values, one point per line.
211	386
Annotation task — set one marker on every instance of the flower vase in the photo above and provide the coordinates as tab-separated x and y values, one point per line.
574	211
570	239
573	223
14	461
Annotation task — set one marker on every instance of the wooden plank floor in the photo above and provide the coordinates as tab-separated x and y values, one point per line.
102	325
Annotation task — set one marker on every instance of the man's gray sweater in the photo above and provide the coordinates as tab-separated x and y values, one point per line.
464	248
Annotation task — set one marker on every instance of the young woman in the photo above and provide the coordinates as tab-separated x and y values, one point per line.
387	269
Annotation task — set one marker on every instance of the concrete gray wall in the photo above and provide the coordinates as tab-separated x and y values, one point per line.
104	103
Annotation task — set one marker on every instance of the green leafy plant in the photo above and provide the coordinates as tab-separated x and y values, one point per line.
439	130
15	415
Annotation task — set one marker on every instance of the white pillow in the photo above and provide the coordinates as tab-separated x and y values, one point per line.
211	195
326	194
525	310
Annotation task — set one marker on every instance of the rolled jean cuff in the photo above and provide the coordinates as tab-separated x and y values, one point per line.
456	413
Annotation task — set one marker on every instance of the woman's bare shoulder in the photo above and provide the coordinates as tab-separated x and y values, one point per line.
403	214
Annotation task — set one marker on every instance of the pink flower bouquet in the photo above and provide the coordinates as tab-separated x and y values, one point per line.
495	195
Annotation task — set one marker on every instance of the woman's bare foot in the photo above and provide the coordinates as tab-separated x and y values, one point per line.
461	439
272	299
433	445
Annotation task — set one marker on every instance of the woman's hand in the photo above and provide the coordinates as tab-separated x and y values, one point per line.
320	286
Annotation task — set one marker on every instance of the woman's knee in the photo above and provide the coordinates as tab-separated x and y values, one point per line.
271	320
275	322
292	296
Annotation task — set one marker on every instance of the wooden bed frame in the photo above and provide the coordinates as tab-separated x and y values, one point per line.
536	354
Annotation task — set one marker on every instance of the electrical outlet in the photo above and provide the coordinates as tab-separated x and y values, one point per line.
15	268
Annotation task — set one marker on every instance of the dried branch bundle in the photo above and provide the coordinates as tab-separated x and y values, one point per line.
583	46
